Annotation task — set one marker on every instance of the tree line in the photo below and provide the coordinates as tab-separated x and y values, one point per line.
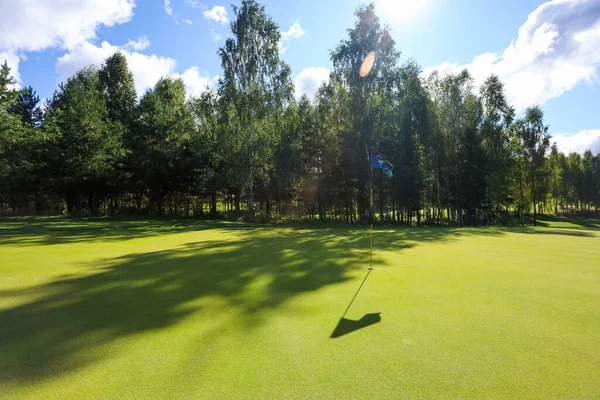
248	149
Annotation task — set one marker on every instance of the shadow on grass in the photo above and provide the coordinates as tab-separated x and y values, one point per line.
37	231
48	231
346	326
551	231
255	270
63	325
557	222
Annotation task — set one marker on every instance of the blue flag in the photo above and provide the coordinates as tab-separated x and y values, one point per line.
378	162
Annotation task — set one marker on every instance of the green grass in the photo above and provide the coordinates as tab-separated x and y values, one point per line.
179	309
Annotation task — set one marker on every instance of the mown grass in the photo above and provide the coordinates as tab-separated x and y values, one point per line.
179	309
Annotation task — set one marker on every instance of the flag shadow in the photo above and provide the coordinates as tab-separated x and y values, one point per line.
346	326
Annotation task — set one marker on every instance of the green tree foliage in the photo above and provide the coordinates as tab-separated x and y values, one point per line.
159	145
249	148
118	89
7	91
208	149
89	143
255	87
535	142
27	107
12	136
497	117
365	94
116	83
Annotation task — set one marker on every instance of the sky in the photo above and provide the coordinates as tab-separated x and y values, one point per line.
546	52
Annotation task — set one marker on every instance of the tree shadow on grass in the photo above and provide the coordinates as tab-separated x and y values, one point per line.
49	231
551	231
71	317
63	325
575	222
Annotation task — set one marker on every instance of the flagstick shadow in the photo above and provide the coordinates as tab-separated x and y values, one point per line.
346	326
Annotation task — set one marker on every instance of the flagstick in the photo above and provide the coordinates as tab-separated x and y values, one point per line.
371	245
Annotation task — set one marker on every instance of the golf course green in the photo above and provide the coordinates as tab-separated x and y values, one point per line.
156	309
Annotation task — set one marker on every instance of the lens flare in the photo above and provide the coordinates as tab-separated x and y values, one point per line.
367	64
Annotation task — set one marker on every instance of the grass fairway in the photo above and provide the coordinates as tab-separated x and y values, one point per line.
175	309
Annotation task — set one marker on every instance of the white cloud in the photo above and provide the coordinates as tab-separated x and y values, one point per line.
295	32
195	82
140	44
309	80
168	8
35	25
193	3
146	69
579	142
556	48
217	13
187	21
13	63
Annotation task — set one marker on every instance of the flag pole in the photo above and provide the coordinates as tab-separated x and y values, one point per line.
371	241
371	211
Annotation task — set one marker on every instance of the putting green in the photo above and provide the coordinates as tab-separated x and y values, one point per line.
177	309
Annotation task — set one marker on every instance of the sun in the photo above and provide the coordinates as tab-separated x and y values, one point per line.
401	12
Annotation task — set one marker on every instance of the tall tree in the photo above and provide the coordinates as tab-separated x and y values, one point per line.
555	175
535	143
88	144
117	86
7	91
455	109
497	119
587	181
208	147
256	82
159	144
596	186
574	180
368	35
11	132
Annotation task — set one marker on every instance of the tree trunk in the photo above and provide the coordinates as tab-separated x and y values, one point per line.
534	210
251	191
213	204
381	198
38	202
347	210
70	201
321	210
521	197
91	205
439	202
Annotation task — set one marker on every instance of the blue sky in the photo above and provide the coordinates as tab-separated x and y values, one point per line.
546	52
